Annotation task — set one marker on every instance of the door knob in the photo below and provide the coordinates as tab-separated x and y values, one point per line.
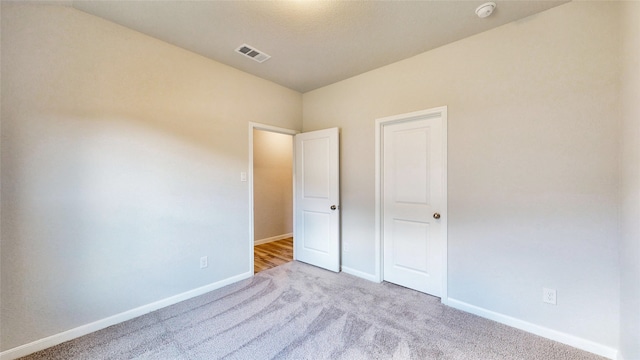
333	207
436	216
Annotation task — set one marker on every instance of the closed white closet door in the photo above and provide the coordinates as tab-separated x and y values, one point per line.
413	202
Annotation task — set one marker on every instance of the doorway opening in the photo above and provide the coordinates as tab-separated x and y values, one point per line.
271	173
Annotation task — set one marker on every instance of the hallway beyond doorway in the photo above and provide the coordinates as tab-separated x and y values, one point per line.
272	254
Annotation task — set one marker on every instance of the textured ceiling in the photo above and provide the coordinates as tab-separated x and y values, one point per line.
312	43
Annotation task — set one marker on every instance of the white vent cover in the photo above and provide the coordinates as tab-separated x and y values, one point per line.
253	53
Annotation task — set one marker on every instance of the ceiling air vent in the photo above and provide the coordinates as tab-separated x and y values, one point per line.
253	53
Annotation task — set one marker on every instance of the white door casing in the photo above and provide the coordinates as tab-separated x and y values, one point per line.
411	202
317	195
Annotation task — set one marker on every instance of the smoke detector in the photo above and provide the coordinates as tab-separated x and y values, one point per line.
485	9
253	53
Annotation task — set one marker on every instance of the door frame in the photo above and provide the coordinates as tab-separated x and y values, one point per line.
440	112
274	129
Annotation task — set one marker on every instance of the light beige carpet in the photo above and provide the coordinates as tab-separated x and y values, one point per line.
297	311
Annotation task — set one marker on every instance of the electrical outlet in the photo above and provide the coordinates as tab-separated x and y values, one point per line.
204	262
549	296
345	247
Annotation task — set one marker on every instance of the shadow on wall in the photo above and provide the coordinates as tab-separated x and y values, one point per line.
96	205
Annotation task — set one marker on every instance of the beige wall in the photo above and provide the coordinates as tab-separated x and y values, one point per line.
121	158
121	161
630	189
532	163
272	184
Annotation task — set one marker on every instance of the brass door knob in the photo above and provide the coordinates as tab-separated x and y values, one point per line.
436	216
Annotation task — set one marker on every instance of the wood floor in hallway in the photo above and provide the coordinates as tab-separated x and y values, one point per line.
269	255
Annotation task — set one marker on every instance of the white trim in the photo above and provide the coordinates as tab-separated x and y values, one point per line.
571	340
378	203
445	222
273	238
360	274
380	123
71	334
275	129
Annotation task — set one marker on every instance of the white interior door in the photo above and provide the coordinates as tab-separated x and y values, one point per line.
413	202
317	209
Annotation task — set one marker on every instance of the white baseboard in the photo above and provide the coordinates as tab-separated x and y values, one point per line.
273	238
555	335
360	274
59	338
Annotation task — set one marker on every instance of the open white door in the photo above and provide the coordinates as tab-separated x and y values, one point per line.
317	208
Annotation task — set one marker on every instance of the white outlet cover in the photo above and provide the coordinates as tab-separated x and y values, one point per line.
549	296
